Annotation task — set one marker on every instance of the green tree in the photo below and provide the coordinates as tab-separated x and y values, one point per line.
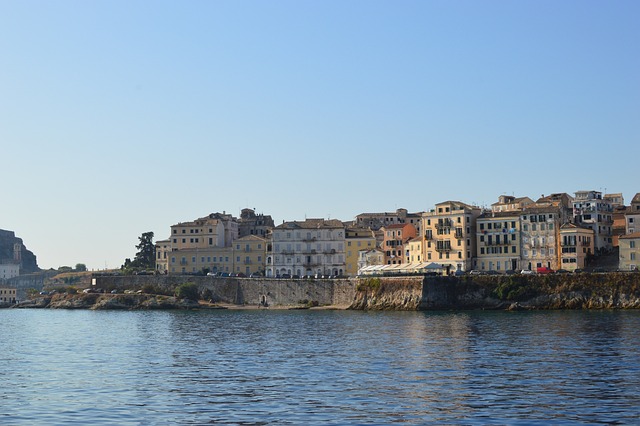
81	267
146	255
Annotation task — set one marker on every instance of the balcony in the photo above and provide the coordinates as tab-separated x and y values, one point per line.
287	252
444	224
309	240
458	235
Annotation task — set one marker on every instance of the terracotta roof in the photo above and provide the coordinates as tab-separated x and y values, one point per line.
630	236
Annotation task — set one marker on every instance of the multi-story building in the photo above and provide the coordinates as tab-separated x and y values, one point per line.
498	241
414	250
629	255
540	242
254	224
199	260
203	233
616	200
632	216
375	221
450	234
163	251
394	238
371	257
9	269
315	246
249	255
356	241
8	295
508	203
592	211
576	245
561	200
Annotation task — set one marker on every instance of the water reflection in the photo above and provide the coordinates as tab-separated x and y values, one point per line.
318	367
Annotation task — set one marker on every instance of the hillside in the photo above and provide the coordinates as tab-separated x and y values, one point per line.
8	239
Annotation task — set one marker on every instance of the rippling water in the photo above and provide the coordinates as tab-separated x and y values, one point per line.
319	367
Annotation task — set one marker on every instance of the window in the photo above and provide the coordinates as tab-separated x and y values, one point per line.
632	244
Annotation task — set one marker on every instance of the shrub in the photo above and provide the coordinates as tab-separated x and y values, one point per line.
187	291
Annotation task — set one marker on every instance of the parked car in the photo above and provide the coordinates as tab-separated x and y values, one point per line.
562	271
512	272
545	270
475	272
578	271
527	272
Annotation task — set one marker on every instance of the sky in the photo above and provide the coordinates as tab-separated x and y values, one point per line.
123	117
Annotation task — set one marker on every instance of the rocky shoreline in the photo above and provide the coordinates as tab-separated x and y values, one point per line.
98	301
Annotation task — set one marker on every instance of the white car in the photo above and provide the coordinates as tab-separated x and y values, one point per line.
527	272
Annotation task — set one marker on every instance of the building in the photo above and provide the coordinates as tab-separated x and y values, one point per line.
616	200
540	242
9	269
249	255
394	239
576	245
561	200
312	247
629	255
498	241
8	295
592	211
254	224
632	216
373	257
375	221
414	250
508	203
450	235
163	251
356	241
203	233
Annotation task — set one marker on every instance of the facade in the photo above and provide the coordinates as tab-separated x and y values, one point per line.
415	250
498	241
629	256
371	257
394	239
375	221
163	251
616	200
203	233
632	216
9	270
315	246
8	295
249	255
197	260
576	245
540	242
254	224
450	235
356	241
508	203
592	211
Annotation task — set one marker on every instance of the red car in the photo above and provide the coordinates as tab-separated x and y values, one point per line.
545	270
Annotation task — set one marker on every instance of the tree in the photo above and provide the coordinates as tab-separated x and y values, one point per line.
81	267
187	291
146	255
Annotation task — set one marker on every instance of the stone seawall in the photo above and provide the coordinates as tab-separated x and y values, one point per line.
243	291
557	291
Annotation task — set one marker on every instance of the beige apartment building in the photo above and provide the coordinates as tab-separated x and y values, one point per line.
371	257
394	239
508	203
498	241
540	237
249	255
450	235
415	250
356	241
629	256
577	245
163	251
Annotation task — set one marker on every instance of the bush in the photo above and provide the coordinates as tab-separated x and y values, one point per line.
187	291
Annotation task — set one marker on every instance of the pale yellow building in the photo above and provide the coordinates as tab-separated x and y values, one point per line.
577	245
498	241
357	240
415	251
629	256
163	251
8	295
449	231
201	233
249	255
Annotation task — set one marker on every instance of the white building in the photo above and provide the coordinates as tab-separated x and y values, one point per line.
315	246
9	270
590	210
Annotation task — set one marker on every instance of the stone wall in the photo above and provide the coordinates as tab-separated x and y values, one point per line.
244	291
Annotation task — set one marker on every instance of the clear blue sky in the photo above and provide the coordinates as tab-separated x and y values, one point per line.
121	117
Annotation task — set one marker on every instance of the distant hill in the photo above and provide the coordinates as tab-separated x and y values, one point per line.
27	259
